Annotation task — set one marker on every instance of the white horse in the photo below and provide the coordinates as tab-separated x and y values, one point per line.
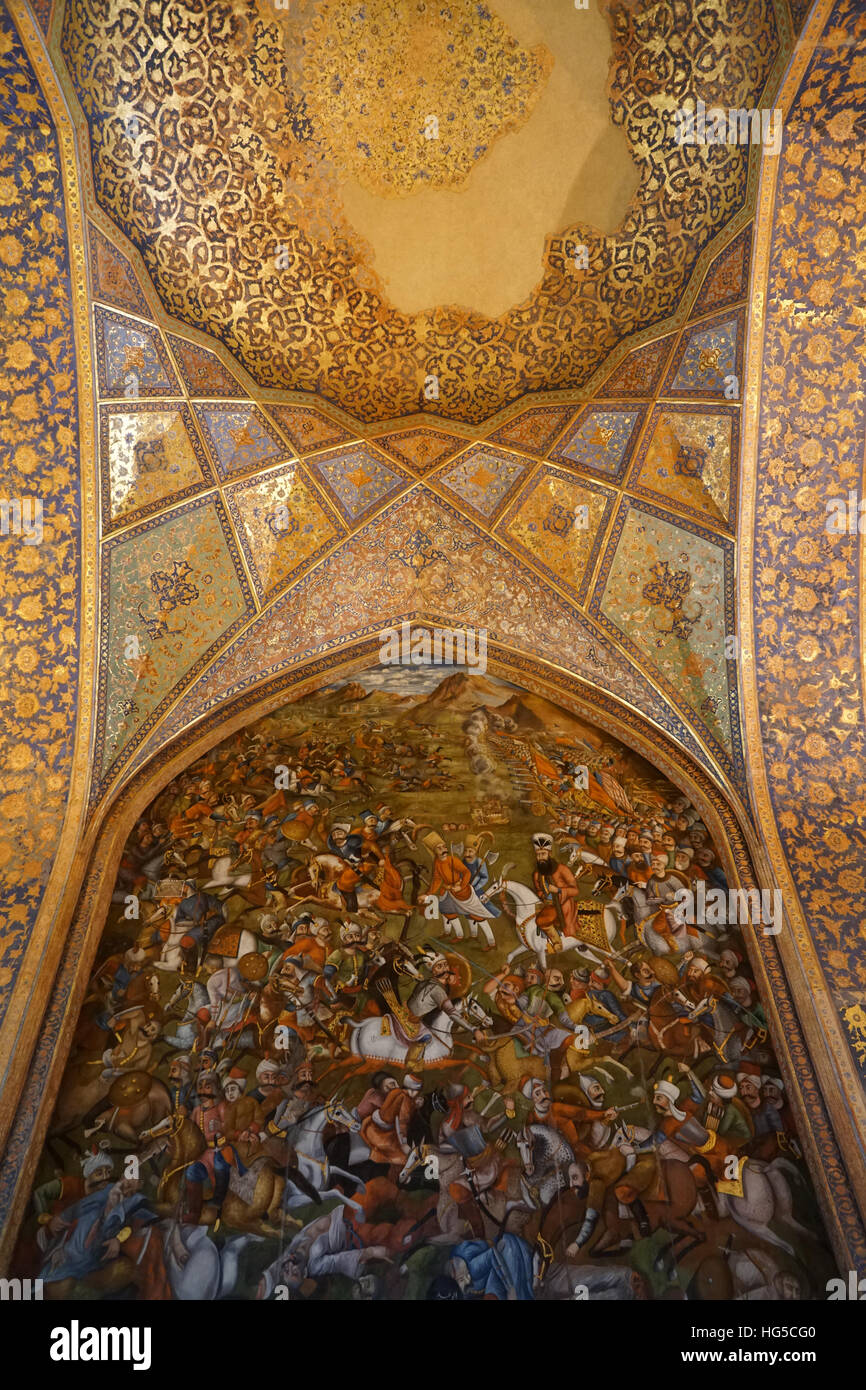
224	877
766	1197
639	916
378	1038
197	1268
524	906
305	1137
548	1162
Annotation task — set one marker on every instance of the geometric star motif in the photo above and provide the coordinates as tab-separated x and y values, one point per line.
357	479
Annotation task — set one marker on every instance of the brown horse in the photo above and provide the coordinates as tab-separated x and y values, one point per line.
669	1032
123	1106
258	1210
505	1070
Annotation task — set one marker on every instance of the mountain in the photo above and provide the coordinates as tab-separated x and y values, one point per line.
458	694
517	709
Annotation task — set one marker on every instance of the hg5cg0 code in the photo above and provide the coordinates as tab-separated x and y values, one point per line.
723	1332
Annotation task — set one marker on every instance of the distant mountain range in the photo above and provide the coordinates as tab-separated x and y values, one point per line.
460	693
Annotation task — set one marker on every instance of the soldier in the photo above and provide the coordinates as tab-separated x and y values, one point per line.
451	883
556	886
345	972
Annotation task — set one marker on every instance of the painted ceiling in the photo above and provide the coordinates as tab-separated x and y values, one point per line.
314	188
266	496
272	481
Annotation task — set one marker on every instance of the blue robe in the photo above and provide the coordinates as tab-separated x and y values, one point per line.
82	1251
496	1269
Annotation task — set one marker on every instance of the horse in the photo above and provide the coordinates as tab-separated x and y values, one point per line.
505	1070
324	869
379	1039
766	1198
546	1157
478	1183
525	905
132	1100
198	1269
253	1202
306	1138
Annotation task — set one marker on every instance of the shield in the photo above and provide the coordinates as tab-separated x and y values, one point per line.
664	970
130	1089
462	971
225	941
252	967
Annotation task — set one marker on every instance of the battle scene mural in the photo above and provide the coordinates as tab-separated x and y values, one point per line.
398	998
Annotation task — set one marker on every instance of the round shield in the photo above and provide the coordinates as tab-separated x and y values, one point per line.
225	941
129	1089
462	972
664	970
252	967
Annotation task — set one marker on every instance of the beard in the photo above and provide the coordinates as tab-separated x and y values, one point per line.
546	866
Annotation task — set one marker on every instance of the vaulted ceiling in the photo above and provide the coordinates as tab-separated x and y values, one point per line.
369	349
354	199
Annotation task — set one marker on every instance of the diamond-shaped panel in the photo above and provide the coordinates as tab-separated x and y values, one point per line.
600	439
150	454
308	429
283	526
357	480
172	588
688	457
558	521
114	279
483	480
202	371
131	358
640	373
240	438
707	361
727	279
534	430
421	450
669	592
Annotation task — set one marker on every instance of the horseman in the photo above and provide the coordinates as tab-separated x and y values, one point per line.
707	1148
346	971
386	1131
429	998
219	1156
357	863
558	890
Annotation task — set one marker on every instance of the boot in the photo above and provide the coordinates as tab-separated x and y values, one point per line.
638	1211
193	1200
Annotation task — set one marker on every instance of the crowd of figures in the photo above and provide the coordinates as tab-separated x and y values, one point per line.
331	1049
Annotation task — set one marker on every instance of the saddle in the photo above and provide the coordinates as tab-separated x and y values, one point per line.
406	1028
